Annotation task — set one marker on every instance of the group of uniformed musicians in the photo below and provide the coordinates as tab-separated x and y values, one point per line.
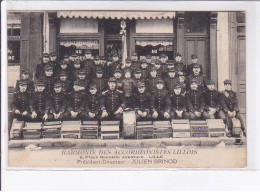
95	88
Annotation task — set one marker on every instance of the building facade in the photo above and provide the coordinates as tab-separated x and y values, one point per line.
218	39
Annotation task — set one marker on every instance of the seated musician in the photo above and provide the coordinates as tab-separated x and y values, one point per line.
161	101
57	104
195	101
25	77
212	104
93	104
21	102
112	102
179	105
142	103
229	106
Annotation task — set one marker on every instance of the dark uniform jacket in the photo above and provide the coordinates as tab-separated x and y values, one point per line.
113	66
40	70
212	99
101	85
55	66
39	102
75	72
76	101
179	67
229	103
170	83
119	83
88	67
195	101
143	102
128	86
30	85
179	103
66	86
145	73
112	100
84	83
190	69
160	72
93	104
136	64
57	103
161	101
152	84
49	84
21	101
201	80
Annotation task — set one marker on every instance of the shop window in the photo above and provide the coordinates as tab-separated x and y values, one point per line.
80	47
241	17
13	51
154	48
112	26
113	47
196	22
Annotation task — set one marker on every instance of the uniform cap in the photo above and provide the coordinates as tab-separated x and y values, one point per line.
170	62
92	86
194	56
144	61
97	57
148	56
53	54
99	71
82	72
157	62
178	54
23	83
40	82
88	52
196	66
141	84
74	55
153	69
63	73
112	80
178	85
48	67
194	81
76	83
65	56
137	71
182	73
77	61
57	84
25	71
160	81
102	58
127	70
45	55
227	82
210	82
117	71
163	55
171	70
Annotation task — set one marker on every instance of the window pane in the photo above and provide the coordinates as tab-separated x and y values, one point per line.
112	26
16	32
13	51
241	17
113	47
196	22
9	32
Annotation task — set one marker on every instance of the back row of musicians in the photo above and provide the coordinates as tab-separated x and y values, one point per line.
97	89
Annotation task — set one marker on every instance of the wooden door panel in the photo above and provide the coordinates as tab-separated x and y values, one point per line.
189	50
202	52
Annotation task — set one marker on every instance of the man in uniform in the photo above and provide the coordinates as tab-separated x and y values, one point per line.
149	60
171	81
40	67
179	104
49	79
161	101
75	69
88	65
178	65
25	77
229	106
39	103
212	101
145	70
152	81
57	104
201	80
169	65
159	68
76	102
135	63
163	59
54	63
195	101
66	85
128	86
64	66
138	77
100	82
115	65
93	105
83	81
194	60
142	103
112	102
21	102
128	66
119	78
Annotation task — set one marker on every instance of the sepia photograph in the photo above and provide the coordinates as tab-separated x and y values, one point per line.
126	89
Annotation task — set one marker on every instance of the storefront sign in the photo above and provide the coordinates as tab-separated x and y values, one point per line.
144	43
88	44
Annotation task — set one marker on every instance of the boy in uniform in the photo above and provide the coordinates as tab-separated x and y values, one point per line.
112	102
54	63
25	77
127	66
38	103
171	81
76	102
66	86
229	106
93	105
40	67
21	102
48	79
159	68
169	65
161	101
212	101
88	64
83	81
138	76
128	86
134	59
75	69
179	105
201	80
178	65
149	60
57	104
195	101
119	78
194	60
145	70
100	82
142	103
152	81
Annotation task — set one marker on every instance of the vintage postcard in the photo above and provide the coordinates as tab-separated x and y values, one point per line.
126	89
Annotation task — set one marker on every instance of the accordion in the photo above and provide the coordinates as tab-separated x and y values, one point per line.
216	127
199	128
129	124
51	129
181	128
162	129
144	130
70	129
89	130
110	129
32	130
16	129
236	127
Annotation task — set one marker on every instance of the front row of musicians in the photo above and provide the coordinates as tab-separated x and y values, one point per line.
110	104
